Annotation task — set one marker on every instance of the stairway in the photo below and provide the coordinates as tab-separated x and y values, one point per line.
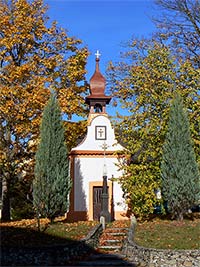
111	239
108	252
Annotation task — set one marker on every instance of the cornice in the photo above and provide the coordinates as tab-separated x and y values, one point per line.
94	153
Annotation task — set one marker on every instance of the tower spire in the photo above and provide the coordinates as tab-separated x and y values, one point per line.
97	99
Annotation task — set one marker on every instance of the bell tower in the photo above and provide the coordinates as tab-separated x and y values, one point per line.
97	100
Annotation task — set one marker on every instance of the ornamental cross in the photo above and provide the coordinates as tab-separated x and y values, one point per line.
97	54
104	146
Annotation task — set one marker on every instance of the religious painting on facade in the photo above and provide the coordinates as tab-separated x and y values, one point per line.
100	132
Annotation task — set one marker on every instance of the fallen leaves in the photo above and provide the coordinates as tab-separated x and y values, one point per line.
24	232
169	234
25	223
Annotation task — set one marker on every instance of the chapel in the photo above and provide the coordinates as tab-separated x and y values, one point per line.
94	158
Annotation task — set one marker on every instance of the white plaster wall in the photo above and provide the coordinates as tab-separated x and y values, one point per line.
90	170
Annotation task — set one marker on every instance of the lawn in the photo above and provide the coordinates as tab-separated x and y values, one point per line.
157	233
24	232
168	234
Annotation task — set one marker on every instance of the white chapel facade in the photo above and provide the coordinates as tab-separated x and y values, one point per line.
94	157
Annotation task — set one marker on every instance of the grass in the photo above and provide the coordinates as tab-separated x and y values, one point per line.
167	234
74	231
157	233
24	232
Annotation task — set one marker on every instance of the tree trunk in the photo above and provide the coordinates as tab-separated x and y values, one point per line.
179	217
5	212
38	222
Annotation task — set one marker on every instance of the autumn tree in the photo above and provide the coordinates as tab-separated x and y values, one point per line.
143	84
179	170
51	185
178	23
78	128
33	57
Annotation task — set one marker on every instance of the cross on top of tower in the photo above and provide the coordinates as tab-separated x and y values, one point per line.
97	54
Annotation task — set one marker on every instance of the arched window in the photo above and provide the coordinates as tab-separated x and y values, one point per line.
97	108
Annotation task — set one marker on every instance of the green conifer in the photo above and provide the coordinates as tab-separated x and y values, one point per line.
51	186
179	170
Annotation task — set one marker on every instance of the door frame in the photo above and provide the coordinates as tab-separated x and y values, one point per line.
98	184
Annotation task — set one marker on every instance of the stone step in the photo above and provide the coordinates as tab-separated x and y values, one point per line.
117	233
116	229
112	241
107	256
110	247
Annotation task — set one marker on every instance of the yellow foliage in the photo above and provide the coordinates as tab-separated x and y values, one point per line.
145	86
35	59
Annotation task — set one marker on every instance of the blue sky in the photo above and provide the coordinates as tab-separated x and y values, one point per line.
103	25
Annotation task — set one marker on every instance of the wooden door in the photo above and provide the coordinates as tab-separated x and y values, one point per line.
97	191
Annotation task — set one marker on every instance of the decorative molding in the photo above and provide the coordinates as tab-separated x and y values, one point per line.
93	153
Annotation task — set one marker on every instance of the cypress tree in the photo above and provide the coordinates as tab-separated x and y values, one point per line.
51	186
179	170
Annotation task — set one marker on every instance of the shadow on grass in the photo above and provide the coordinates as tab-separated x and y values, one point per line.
163	217
27	247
